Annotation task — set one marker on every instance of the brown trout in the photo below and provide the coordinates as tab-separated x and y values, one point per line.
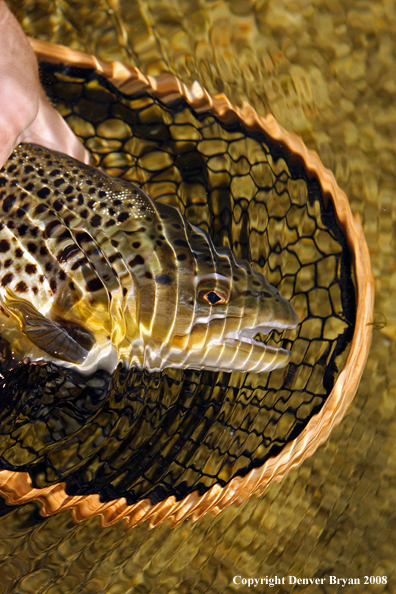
93	272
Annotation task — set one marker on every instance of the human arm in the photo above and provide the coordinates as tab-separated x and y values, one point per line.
26	114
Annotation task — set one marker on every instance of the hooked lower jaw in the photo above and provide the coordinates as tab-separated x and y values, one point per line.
247	334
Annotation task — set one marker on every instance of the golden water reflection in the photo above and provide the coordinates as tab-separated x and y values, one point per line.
326	71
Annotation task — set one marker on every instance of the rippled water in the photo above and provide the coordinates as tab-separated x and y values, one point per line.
326	71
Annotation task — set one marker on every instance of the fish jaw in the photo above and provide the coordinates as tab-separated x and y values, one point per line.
227	356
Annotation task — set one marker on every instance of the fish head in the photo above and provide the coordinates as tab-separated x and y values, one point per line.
216	307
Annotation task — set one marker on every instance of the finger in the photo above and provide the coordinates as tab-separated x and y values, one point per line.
50	130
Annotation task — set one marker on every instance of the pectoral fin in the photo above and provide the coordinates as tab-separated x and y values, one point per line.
51	337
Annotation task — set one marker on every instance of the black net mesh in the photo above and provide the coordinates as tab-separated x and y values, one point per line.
137	434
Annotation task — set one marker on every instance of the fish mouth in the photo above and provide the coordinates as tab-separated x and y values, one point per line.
247	334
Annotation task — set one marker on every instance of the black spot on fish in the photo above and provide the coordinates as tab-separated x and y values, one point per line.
55	172
84	213
181	243
181	257
31	268
3	181
28	169
124	291
83	236
255	284
10	225
158	242
58	205
11	168
35	290
79	263
21	287
48	266
18	253
4	246
67	253
58	182
7	279
235	278
102	194
43	192
148	275
23	229
53	285
137	260
41	208
114	243
94	285
8	203
29	187
266	294
64	235
163	279
110	223
136	245
50	228
123	217
7	263
43	251
96	220
115	257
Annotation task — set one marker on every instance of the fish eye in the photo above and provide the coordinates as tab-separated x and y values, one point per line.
213	297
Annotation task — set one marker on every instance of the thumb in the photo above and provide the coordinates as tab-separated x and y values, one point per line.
50	130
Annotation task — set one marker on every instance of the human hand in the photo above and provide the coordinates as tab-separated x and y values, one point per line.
26	114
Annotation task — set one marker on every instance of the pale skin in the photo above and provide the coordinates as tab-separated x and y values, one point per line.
26	114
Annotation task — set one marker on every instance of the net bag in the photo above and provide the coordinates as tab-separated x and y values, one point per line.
178	444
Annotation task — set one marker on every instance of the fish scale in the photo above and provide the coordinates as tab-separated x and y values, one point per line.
94	272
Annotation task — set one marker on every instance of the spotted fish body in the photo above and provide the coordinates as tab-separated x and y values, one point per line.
94	272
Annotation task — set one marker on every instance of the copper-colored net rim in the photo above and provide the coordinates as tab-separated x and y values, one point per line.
16	487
